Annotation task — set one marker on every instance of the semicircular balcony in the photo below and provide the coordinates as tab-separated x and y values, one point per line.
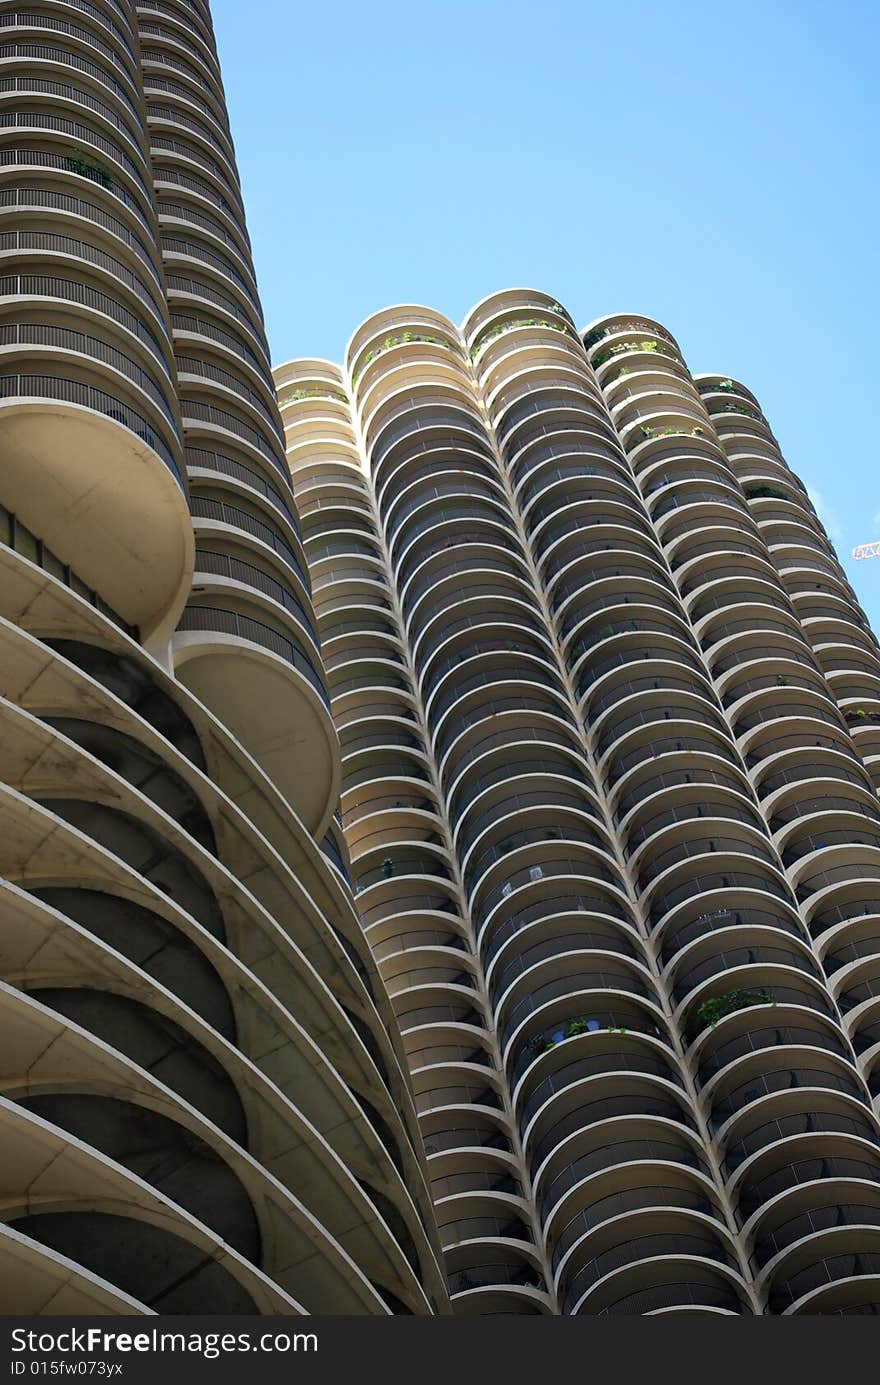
631	340
789	979
595	1078
416	482
765	1072
548	938
456	1180
489	1223
686	742
756	941
645	787
552	426
574	966
402	360
790	1117
528	388
294	740
773	1178
638	365
431	366
125	1026
461	508
624	1250
820	1193
610	583
406	324
438	623
530	858
579	451
687	894
618	1147
498	1279
506	300
612	659
509	825
506	357
465	455
528	314
550	487
87	391
626	1189
409	425
478	1222
744	1021
580	1010
566	884
836	1270
653	397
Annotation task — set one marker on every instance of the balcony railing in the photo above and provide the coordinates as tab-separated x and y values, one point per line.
618	1152
87	396
211	619
592	1065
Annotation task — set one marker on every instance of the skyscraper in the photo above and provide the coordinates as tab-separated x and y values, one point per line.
610	724
204	1106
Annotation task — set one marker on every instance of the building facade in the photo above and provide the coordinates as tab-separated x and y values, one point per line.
610	725
205	1105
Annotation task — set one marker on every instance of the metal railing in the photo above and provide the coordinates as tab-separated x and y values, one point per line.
65	339
211	619
592	1066
223	565
87	396
72	291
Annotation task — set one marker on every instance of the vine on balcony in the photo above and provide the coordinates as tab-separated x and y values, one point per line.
717	1007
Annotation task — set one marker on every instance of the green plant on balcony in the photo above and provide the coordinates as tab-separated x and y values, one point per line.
510	326
404	340
387	868
717	1007
296	395
672	432
736	409
86	168
727	385
762	492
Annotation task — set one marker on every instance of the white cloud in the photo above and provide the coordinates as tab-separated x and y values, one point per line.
829	515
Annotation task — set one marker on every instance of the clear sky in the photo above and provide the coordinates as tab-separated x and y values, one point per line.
710	165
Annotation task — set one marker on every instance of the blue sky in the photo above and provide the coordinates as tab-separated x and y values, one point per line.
713	166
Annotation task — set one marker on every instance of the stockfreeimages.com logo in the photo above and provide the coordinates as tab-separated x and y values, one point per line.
97	1341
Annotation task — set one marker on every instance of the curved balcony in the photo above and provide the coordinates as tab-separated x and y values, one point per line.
619	1190
826	1271
293	739
205	1013
111	499
625	1249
